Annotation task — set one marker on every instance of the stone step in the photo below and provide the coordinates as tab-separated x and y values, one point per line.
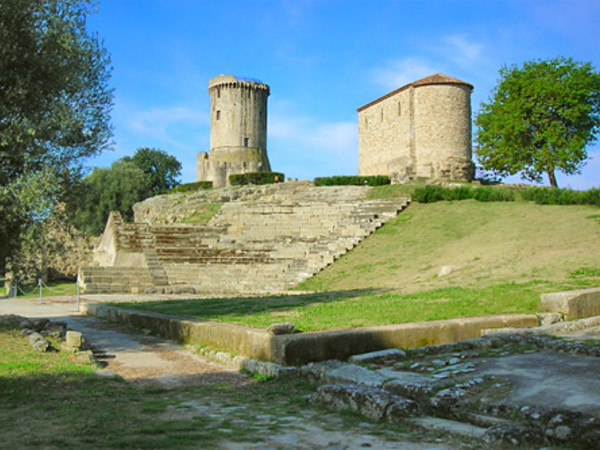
269	242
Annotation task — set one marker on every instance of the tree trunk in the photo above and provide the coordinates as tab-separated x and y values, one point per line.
552	178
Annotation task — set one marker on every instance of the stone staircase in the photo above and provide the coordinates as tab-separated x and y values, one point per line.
263	245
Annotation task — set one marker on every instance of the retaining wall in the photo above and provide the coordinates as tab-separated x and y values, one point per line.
302	348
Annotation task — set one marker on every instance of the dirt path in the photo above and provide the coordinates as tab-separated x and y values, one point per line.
133	356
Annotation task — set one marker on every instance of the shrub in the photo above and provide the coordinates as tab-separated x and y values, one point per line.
241	179
552	196
189	187
432	193
352	180
428	194
488	194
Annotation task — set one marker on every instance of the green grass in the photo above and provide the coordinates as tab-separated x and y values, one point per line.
53	288
504	254
359	309
392	191
203	213
51	401
488	243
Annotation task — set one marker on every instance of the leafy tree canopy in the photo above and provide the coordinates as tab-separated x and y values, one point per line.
55	101
540	119
161	169
106	190
55	108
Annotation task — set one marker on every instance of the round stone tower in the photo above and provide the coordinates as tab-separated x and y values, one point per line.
442	121
238	130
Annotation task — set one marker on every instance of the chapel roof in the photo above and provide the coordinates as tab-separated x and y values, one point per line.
438	78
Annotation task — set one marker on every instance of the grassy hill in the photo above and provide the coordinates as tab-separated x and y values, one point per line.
501	256
484	243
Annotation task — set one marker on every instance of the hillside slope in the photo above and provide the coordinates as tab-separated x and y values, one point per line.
484	243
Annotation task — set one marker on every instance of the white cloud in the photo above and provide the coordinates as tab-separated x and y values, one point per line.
400	72
458	48
156	122
333	138
304	147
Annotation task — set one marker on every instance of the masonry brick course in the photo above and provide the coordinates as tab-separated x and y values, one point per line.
419	131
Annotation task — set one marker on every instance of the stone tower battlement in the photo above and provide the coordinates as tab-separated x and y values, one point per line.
238	130
421	130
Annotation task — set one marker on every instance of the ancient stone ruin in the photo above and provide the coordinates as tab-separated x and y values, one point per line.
275	237
419	131
268	240
238	130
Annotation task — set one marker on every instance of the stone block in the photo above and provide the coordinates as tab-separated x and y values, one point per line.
380	357
74	339
577	304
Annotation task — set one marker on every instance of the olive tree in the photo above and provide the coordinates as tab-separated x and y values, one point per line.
55	101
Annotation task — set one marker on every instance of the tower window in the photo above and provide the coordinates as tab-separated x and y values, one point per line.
399	108
246	142
218	115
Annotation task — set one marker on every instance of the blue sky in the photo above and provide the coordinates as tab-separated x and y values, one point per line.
322	60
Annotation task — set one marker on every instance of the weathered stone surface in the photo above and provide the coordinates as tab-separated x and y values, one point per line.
281	328
400	409
370	402
54	329
516	435
549	318
301	348
446	400
449	426
380	357
350	373
421	130
39	324
573	304
74	339
277	237
38	342
414	386
315	371
269	369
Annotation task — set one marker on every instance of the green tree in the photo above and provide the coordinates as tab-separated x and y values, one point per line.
55	101
25	204
106	190
161	168
539	119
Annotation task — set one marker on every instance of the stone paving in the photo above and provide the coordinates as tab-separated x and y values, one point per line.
505	389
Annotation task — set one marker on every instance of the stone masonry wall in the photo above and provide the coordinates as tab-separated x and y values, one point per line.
442	122
238	130
268	240
422	130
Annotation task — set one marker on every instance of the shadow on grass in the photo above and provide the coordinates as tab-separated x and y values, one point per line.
71	410
223	308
